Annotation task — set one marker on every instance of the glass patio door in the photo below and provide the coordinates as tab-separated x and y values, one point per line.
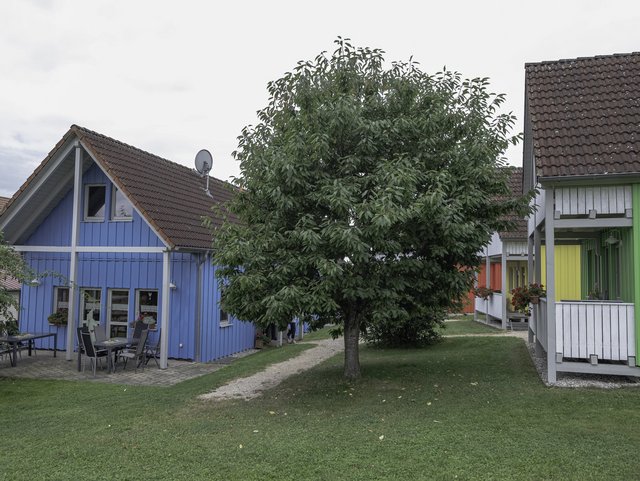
118	312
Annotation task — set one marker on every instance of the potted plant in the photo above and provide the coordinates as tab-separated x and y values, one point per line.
482	292
536	291
58	318
520	299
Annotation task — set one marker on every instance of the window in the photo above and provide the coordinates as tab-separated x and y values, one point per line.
118	312
90	307
147	307
94	201
121	208
224	318
61	299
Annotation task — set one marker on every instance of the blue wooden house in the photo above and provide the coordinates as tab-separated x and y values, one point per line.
123	228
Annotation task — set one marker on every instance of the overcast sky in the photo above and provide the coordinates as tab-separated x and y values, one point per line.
172	77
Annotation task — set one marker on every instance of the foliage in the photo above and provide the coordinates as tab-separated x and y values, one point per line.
521	296
12	265
59	318
482	292
363	190
416	332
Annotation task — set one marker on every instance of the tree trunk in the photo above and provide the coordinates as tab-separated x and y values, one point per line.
351	341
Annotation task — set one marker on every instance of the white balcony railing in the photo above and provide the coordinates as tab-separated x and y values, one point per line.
604	329
614	199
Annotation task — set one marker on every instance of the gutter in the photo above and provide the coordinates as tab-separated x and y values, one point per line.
613	178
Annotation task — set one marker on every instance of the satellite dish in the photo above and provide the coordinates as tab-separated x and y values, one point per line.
204	162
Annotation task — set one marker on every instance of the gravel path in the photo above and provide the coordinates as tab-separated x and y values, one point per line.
253	386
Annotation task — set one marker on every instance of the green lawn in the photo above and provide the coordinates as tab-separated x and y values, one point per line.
468	326
467	408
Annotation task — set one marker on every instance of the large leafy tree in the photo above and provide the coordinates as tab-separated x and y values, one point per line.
365	193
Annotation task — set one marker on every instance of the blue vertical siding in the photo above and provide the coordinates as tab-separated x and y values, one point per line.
184	272
55	230
220	341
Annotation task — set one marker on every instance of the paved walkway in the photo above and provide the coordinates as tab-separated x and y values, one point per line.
44	366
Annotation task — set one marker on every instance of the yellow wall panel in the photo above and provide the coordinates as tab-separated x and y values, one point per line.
568	272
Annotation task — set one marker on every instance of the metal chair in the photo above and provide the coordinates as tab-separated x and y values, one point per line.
153	352
90	351
137	353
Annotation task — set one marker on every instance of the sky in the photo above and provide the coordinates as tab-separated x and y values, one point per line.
173	77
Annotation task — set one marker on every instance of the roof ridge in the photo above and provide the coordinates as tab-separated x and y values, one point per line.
579	59
77	127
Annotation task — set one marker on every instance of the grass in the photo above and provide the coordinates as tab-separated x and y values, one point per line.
467	326
467	408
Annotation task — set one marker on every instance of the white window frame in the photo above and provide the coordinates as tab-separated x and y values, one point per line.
110	307
56	289
82	305
153	327
114	215
86	203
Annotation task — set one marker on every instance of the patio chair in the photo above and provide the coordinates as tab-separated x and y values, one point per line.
100	333
136	353
153	352
138	327
91	352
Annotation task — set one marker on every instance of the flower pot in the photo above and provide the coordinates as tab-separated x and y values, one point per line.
534	299
259	344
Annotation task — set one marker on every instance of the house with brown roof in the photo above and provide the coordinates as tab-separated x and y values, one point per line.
122	229
504	266
581	149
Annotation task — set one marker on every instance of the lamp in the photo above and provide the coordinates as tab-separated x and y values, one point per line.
35	282
172	285
611	240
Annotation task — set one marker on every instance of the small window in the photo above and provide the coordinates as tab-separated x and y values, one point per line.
94	201
224	318
61	299
121	208
147	307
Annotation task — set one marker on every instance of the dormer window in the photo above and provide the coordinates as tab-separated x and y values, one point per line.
94	202
121	208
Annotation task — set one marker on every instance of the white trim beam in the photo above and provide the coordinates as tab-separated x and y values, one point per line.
92	249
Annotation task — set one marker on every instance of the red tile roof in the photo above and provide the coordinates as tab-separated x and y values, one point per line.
9	283
170	196
585	115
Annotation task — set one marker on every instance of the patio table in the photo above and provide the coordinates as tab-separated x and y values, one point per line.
18	338
114	344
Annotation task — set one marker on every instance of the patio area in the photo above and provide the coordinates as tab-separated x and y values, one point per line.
44	366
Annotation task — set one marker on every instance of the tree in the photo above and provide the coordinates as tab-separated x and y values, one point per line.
363	190
12	265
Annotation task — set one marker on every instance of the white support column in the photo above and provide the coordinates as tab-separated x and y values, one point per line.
537	278
551	285
164	315
73	265
504	285
487	276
